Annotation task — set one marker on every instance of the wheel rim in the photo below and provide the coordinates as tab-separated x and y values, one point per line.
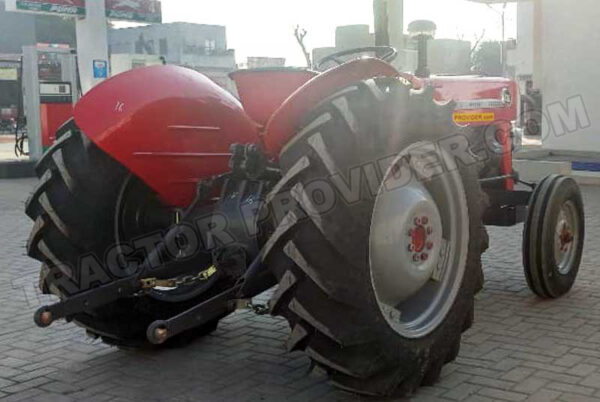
566	237
140	212
418	243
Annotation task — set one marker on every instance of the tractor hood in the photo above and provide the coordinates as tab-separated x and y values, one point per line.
478	94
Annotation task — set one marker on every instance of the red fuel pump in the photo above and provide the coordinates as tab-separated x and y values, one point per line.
56	107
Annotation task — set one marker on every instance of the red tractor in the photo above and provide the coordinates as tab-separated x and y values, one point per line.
363	193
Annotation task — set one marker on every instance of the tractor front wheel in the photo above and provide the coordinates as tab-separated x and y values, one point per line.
553	237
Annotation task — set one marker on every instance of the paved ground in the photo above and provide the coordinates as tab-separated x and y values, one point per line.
520	348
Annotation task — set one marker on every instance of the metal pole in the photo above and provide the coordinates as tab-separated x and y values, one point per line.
380	11
504	39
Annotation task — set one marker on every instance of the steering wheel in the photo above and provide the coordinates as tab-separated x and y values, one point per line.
390	54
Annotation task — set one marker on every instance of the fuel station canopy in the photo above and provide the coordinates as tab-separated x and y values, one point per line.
127	10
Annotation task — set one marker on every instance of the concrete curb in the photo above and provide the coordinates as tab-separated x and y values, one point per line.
587	178
536	170
16	170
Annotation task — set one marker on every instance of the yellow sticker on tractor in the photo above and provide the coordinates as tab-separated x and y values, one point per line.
471	117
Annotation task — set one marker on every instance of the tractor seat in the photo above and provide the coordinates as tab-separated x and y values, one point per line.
263	90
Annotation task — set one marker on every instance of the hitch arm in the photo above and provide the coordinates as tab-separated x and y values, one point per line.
222	304
90	299
256	280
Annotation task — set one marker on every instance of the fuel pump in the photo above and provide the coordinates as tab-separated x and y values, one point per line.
50	89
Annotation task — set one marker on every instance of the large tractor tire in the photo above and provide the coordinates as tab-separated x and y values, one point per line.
360	279
79	207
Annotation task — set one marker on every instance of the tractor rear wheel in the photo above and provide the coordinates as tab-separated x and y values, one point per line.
378	257
86	208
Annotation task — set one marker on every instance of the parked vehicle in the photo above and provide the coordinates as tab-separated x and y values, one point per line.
362	192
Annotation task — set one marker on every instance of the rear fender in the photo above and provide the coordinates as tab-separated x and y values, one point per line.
282	126
170	126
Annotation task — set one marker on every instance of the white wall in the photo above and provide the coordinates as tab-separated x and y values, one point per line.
571	74
120	63
521	58
92	42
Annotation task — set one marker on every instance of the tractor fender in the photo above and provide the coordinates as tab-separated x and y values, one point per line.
170	126
282	126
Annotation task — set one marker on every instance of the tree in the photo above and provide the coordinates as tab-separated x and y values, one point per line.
478	40
300	34
487	59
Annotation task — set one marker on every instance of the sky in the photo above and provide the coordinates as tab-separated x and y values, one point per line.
265	27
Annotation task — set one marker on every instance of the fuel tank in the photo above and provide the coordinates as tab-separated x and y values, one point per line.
170	126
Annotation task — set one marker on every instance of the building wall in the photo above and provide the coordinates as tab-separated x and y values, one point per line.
523	54
200	47
178	42
520	59
265	62
570	47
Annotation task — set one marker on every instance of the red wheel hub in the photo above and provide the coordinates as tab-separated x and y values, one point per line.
420	239
566	237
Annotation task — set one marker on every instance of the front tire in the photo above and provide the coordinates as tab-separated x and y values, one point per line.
553	237
319	248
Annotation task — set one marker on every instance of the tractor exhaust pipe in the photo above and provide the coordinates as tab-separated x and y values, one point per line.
422	31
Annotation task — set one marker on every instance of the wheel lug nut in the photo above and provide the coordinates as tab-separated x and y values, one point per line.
410	247
424	257
416	258
429	230
429	245
424	220
417	221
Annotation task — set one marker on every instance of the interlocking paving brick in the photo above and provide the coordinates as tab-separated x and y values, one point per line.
462	391
520	348
544	395
530	385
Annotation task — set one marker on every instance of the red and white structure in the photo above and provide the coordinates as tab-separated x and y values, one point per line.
92	29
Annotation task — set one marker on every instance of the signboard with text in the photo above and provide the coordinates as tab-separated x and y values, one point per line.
100	69
149	11
9	74
60	7
134	10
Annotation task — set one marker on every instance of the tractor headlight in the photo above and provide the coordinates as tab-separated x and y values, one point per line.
507	97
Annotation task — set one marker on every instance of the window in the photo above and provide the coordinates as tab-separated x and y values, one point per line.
149	46
209	46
